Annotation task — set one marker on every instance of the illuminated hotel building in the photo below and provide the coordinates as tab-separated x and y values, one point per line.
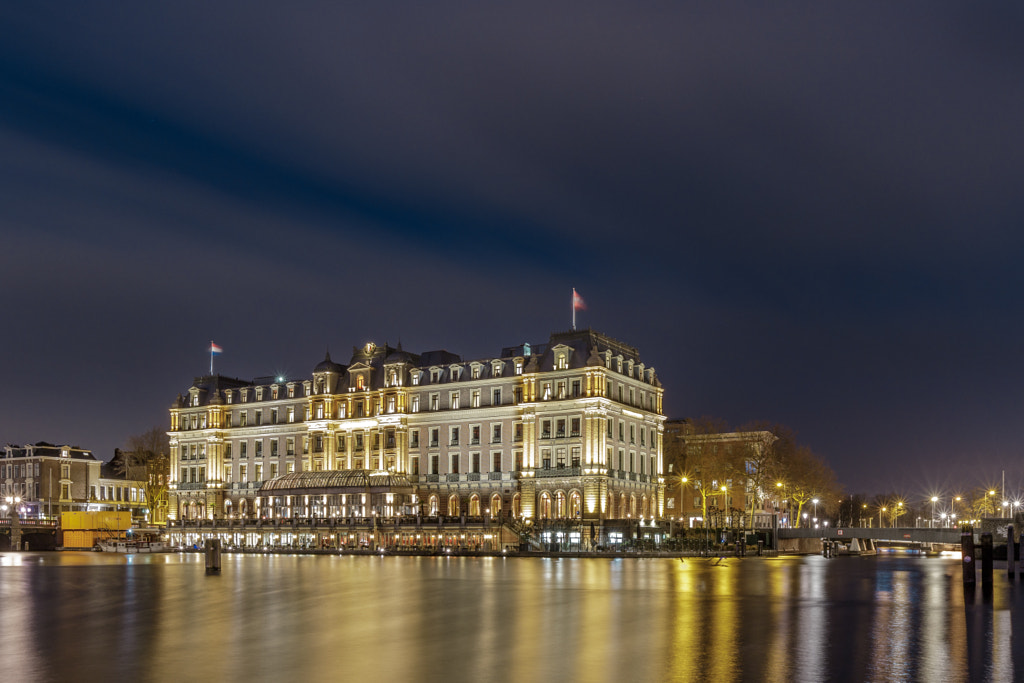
567	430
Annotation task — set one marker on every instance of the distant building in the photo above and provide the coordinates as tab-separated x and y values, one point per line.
710	461
52	479
566	430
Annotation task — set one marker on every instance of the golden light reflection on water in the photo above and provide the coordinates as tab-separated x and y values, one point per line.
68	617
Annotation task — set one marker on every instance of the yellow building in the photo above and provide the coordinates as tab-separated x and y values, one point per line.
567	430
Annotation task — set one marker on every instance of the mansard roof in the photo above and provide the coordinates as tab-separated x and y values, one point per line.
327	365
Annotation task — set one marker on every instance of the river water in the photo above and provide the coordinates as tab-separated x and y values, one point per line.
98	616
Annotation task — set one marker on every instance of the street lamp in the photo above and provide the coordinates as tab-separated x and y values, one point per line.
883	509
862	509
815	501
13	503
991	505
932	522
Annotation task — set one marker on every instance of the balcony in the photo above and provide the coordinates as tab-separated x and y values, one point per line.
559	472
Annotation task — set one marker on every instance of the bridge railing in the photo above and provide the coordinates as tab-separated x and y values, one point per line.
909	535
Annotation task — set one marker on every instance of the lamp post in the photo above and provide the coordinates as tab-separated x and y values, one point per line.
952	509
991	504
880	511
863	508
932	522
815	501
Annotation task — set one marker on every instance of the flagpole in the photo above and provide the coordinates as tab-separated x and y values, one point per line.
573	309
211	358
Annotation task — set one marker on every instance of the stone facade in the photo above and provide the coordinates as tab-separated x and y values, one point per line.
570	429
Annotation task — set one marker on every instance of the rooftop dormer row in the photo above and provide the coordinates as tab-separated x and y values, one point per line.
373	368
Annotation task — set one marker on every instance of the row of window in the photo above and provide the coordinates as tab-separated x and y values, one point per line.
561	389
556	428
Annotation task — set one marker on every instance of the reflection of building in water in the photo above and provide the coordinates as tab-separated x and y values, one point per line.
563	435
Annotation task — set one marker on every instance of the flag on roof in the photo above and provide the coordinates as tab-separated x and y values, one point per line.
577	302
214	349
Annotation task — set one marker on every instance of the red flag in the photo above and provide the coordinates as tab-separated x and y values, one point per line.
578	304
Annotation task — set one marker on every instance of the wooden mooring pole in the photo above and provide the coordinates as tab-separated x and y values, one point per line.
213	556
967	552
986	560
1011	554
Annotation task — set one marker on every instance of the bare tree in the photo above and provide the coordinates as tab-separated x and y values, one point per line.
147	459
806	477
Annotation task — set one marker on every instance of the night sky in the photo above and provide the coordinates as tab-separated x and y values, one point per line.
806	214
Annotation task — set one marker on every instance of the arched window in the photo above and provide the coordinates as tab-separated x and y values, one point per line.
643	506
517	506
453	506
432	506
575	505
545	505
227	509
623	510
495	505
611	506
632	506
560	505
474	505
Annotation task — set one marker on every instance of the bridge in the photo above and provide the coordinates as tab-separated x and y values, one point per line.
898	535
27	534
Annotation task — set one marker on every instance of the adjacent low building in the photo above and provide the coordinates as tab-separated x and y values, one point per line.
569	430
51	479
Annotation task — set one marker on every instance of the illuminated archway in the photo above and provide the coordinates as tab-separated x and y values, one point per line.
517	507
474	505
545	505
560	505
432	505
495	505
575	505
453	505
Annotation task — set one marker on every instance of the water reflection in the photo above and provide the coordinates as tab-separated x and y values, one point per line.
86	616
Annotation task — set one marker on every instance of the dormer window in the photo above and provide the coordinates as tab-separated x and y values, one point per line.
496	368
291	391
475	371
519	366
244	393
195	399
435	375
274	393
393	378
456	372
414	377
259	393
360	382
229	396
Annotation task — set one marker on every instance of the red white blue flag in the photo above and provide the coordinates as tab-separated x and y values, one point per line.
578	304
214	349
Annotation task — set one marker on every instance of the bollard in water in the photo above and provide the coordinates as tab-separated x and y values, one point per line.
967	551
1011	564
986	560
213	556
